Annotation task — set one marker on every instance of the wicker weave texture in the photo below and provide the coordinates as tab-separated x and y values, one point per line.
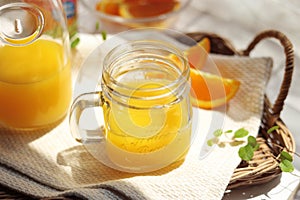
264	166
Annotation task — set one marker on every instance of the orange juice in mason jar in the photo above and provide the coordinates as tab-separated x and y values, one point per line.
35	69
146	108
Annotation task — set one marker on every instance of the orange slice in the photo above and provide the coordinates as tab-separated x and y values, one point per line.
110	7
209	91
197	55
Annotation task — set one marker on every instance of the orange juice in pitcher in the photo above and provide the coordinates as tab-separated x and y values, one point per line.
35	69
35	89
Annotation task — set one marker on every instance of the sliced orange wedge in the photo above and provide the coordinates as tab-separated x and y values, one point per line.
209	91
197	55
110	7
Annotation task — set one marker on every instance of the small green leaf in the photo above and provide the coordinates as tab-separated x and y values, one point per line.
221	145
246	153
210	142
272	129
97	27
72	34
75	42
236	143
104	35
286	166
286	156
256	147
218	132
241	133
228	131
252	141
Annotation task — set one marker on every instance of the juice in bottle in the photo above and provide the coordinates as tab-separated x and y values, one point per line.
35	84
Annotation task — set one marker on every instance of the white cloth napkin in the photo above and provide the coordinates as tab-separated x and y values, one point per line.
53	163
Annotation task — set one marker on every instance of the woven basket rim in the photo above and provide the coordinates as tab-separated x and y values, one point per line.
264	166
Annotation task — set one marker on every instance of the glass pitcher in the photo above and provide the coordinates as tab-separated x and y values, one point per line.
35	69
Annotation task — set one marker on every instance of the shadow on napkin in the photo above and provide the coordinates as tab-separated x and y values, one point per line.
88	170
28	170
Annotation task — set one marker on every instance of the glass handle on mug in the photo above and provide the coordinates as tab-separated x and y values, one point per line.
82	102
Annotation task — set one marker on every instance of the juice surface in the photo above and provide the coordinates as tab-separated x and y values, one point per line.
145	126
35	84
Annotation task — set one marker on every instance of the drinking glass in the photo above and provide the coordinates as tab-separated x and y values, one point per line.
35	69
146	107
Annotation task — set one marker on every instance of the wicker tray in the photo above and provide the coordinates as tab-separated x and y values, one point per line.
264	166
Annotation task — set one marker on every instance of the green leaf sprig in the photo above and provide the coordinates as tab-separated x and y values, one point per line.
285	159
103	32
233	141
74	39
246	152
104	35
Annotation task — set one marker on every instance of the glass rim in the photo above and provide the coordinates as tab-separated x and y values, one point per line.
27	39
182	78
